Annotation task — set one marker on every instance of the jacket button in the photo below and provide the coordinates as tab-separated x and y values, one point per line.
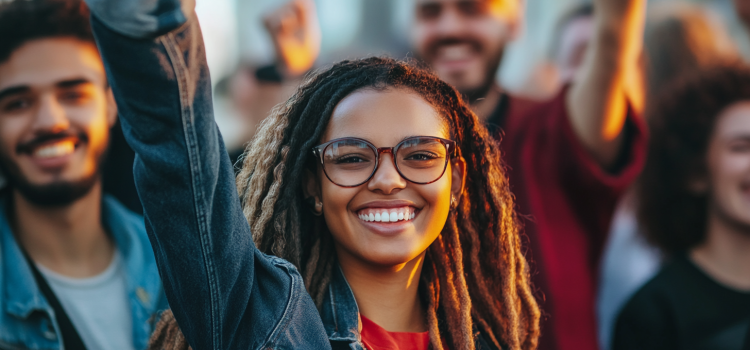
49	330
142	295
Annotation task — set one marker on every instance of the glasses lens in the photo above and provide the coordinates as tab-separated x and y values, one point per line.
422	159
348	162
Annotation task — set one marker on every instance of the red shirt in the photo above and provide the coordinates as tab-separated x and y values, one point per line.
375	337
568	200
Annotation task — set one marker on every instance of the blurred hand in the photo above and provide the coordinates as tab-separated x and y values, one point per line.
616	11
743	11
295	33
620	25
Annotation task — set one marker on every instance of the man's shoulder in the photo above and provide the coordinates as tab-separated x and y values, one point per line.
523	117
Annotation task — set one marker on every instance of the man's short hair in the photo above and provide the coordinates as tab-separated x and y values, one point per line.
22	21
682	118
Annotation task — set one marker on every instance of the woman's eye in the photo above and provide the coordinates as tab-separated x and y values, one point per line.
421	156
349	159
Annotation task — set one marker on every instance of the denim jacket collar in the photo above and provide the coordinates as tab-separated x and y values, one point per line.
22	296
340	312
122	224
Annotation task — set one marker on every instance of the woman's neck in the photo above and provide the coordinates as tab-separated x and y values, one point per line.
387	296
725	255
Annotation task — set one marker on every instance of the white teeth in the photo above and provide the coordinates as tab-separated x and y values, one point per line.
394	215
55	150
456	52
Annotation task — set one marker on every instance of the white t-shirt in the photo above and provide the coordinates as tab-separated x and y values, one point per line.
97	306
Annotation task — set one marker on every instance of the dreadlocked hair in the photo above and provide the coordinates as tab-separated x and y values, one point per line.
475	275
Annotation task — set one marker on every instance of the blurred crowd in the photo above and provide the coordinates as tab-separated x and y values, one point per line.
629	161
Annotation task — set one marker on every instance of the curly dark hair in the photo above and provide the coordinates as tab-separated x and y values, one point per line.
682	118
474	273
24	20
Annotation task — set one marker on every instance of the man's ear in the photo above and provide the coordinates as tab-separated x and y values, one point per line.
458	177
111	108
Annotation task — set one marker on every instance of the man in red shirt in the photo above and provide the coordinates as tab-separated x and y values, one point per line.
569	159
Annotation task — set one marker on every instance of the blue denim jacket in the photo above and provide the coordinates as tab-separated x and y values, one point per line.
26	319
225	293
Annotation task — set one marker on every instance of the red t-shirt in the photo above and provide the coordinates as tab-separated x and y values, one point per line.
568	201
375	337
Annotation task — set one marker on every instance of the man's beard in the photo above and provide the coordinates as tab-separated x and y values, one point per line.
476	93
56	194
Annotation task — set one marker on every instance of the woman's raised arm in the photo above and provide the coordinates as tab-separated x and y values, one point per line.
225	294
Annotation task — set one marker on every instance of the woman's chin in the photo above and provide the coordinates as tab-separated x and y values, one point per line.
390	257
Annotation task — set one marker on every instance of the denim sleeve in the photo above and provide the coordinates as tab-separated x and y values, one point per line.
225	294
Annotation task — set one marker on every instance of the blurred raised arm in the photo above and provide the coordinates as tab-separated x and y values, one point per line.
609	80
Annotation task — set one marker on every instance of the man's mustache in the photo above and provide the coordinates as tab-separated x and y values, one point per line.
435	45
29	146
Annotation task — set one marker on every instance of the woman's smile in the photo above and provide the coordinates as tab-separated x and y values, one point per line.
387	217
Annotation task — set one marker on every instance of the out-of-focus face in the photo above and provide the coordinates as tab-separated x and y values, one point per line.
572	47
743	10
463	40
728	160
385	118
55	115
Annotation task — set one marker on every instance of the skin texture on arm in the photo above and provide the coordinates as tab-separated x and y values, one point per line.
608	82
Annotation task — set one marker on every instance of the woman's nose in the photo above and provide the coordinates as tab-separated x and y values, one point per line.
386	178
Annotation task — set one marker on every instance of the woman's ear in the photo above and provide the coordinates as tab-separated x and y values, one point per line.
698	180
458	177
311	192
698	186
310	186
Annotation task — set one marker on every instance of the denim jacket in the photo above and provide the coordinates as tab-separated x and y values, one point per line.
225	293
26	318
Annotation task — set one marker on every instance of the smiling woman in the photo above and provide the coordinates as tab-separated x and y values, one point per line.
436	205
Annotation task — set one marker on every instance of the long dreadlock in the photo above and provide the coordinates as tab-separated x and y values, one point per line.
474	272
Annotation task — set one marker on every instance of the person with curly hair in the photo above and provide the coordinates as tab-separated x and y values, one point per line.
694	204
372	209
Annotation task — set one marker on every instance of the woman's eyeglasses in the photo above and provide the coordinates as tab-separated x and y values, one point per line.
350	162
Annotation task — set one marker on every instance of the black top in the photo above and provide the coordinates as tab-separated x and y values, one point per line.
683	308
